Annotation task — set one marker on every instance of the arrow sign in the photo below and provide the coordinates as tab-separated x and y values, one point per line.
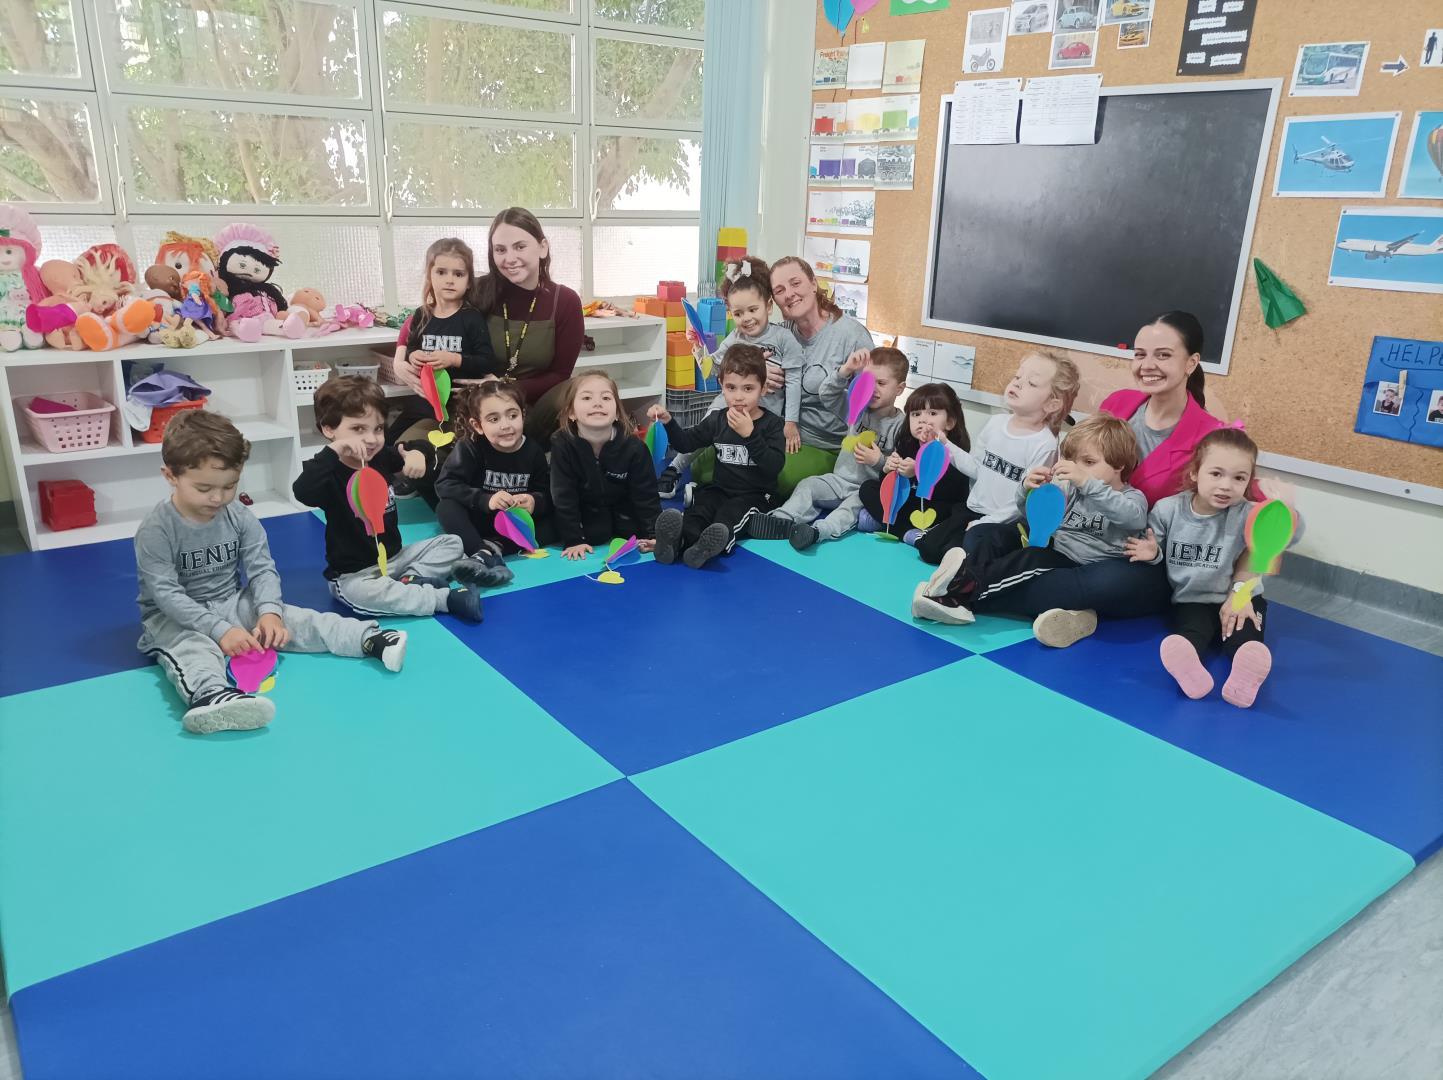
1395	67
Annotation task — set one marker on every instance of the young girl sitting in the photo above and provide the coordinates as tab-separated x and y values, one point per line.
746	288
933	412
603	484
1010	445
1102	514
1199	533
492	467
444	332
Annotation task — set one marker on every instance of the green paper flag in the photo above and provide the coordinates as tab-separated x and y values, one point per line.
917	7
1280	305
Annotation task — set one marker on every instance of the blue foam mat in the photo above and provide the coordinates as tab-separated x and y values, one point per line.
593	938
1347	723
672	662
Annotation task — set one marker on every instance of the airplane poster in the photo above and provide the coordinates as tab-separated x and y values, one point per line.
1336	157
1391	248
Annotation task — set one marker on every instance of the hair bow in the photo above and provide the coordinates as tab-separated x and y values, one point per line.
738	270
1237	425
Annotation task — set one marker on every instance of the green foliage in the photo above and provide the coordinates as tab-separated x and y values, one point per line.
680	14
638	81
46	152
37	38
434	165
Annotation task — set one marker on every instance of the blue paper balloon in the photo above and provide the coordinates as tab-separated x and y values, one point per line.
1045	507
838	13
932	462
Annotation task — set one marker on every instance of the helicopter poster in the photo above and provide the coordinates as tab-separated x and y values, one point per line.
1336	157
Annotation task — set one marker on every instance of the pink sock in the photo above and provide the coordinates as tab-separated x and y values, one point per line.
1182	663
1251	664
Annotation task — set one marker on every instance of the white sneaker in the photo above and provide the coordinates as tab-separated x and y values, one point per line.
228	710
924	607
952	560
1060	628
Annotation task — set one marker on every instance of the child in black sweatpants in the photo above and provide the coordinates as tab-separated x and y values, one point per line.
750	452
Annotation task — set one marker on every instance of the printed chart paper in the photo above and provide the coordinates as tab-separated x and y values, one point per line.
829	71
985	111
1060	109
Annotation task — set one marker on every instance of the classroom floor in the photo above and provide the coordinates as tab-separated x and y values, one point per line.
764	825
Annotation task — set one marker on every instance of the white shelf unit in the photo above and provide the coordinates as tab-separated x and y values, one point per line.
253	385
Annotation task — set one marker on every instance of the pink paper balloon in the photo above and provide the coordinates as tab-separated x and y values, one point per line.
861	7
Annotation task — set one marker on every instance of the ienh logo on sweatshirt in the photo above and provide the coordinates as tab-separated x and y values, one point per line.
1194	554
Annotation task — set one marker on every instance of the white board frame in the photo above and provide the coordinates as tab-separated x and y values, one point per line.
1275	86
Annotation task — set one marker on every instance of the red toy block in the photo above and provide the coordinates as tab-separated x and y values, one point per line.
730	254
66	504
671	290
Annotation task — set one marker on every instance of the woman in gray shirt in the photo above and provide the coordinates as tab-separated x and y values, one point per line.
827	338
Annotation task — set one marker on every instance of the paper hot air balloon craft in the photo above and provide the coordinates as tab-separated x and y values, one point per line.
932	462
896	490
370	496
517	525
620	553
436	389
1268	532
659	445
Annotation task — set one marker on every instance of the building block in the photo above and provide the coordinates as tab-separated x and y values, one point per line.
713	313
677	344
676	324
671	290
655	306
731	237
675	308
730	254
67	504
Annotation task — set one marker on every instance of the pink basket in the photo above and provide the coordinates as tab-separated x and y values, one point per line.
87	428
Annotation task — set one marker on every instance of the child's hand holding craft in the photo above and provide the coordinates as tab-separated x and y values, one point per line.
236	641
351	451
868	454
271	631
1038	476
659	414
502	500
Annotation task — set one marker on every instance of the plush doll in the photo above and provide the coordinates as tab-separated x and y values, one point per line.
198	310
55	316
168	328
248	258
344	315
114	315
20	282
184	253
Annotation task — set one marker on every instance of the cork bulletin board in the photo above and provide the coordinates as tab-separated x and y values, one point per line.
1297	387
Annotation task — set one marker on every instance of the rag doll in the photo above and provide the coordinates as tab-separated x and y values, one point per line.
164	291
20	282
248	258
183	254
114	316
198	311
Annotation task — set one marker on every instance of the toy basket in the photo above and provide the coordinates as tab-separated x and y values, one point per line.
364	371
163	414
385	357
688	407
88	428
309	379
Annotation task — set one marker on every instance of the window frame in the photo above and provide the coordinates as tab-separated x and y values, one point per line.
99	87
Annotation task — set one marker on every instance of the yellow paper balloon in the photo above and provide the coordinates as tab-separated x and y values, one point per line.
923	519
862	438
539	553
610	577
439	438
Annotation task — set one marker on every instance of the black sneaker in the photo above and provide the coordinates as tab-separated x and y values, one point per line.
711	543
403	487
666	483
465	604
387	646
803	535
485	568
668	535
227	709
768	527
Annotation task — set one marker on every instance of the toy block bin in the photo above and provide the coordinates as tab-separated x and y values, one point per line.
163	414
66	504
64	423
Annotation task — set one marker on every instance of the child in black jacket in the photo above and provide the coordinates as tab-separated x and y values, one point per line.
492	467
750	452
603	482
350	413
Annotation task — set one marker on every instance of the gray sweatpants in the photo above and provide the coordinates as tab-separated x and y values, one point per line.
829	494
194	663
369	592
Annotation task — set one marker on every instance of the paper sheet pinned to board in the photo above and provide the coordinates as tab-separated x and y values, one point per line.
1061	109
985	111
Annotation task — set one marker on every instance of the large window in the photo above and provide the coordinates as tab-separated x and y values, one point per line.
358	131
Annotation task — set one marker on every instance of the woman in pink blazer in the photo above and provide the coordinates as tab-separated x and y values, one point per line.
1167	415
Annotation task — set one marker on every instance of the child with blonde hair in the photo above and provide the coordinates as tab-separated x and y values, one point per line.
1102	513
1011	444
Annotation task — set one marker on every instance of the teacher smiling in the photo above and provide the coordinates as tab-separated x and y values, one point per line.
535	324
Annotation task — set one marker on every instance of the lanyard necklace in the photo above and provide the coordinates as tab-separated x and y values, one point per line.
512	357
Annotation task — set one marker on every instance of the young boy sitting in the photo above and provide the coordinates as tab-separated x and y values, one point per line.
750	451
189	552
1102	512
351	414
835	494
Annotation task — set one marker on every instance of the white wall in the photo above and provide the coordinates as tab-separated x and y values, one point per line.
1375	533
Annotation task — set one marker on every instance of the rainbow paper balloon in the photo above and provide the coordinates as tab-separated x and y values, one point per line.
932	462
251	672
369	495
623	552
436	389
1268	531
516	524
859	395
1046	506
896	490
657	442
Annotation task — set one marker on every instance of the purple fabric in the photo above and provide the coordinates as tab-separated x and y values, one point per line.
166	388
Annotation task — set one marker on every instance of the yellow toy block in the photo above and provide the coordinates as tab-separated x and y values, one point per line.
676	324
731	237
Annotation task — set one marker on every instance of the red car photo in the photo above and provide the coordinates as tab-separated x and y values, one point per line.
1076	51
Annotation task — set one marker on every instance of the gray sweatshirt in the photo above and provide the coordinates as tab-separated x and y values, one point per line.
822	355
885	422
184	567
1200	550
1098	520
780	347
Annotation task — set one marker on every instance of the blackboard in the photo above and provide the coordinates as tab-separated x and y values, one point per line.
1078	246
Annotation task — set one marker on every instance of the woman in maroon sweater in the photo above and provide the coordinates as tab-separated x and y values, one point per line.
535	324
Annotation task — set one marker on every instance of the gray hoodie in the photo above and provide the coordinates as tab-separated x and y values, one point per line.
1098	520
1200	550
